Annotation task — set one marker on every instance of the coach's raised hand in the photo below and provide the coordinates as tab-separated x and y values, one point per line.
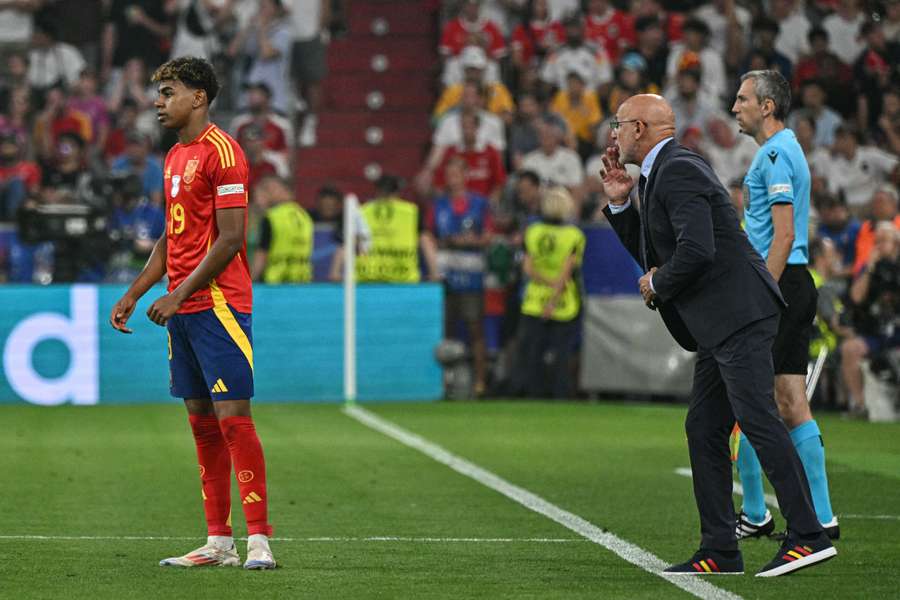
617	183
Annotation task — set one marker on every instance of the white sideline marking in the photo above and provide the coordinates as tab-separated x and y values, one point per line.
625	550
737	488
384	538
773	502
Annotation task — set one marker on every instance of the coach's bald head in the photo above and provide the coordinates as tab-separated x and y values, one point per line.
644	121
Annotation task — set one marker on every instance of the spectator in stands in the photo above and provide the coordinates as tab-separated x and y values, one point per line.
448	132
17	176
631	79
284	250
872	74
652	46
553	162
823	65
765	32
56	119
262	162
85	98
580	107
125	121
792	40
891	20
51	62
525	204
606	26
79	23
713	82
265	47
329	206
135	225
485	174
691	107
843	30
812	100
552	300
883	210
875	295
197	26
474	64
461	223
729	26
523	136
397	235
67	178
308	62
18	114
134	29
471	29
888	133
561	9
533	40
17	21
729	154
277	131
137	161
16	74
576	55
857	170
133	83
841	228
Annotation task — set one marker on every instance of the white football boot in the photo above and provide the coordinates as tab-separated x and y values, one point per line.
259	555
209	555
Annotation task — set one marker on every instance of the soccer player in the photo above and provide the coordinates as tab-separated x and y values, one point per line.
207	310
776	193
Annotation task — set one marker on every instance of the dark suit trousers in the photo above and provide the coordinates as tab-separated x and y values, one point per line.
735	381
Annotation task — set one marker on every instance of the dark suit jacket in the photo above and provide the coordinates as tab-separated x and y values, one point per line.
710	281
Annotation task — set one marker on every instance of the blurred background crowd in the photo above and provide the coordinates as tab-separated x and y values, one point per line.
523	91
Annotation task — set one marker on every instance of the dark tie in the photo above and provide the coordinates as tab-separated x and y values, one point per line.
645	228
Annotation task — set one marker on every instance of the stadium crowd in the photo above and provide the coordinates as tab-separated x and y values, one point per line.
526	92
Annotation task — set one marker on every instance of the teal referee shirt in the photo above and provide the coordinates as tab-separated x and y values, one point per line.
779	175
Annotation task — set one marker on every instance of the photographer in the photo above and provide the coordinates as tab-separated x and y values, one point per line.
875	294
135	224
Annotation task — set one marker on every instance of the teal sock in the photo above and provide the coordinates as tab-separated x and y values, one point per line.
750	472
808	442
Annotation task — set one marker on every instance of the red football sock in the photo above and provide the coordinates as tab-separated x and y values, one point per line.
250	468
215	473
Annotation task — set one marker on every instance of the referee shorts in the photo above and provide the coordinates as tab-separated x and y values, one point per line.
790	352
211	355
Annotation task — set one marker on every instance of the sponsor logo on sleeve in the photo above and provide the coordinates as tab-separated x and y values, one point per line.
780	188
227	190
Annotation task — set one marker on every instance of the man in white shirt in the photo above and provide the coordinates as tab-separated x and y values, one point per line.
577	56
717	15
843	30
713	80
812	98
16	19
794	29
51	62
857	170
729	154
553	162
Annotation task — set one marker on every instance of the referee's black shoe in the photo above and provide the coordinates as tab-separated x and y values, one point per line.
710	562
795	555
745	528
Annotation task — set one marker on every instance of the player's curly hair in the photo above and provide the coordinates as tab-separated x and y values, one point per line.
196	73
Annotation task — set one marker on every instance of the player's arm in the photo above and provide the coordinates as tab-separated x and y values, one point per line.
230	222
152	272
782	240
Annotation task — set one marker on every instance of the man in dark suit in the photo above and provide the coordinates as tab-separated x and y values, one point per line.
717	298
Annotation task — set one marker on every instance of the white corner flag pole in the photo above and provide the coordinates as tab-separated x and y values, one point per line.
350	211
812	378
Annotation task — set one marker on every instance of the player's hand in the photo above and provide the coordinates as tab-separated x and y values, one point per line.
120	314
163	309
646	291
617	183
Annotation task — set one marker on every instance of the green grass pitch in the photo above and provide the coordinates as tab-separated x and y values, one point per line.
128	474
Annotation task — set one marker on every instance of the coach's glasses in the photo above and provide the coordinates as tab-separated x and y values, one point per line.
615	123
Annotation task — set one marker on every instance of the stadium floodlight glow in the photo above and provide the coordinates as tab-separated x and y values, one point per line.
372	171
374	100
374	135
379	63
380	26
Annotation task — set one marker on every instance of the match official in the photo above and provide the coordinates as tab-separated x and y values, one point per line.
776	196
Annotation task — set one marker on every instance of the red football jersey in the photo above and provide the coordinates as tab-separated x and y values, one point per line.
204	175
614	31
459	33
484	173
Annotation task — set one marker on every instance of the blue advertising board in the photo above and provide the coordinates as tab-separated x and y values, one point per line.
58	346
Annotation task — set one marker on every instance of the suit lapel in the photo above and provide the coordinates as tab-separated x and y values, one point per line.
647	202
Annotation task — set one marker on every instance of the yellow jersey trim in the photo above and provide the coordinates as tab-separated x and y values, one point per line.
223	313
215	133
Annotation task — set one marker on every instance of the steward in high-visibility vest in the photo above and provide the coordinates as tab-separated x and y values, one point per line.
393	256
291	244
552	300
